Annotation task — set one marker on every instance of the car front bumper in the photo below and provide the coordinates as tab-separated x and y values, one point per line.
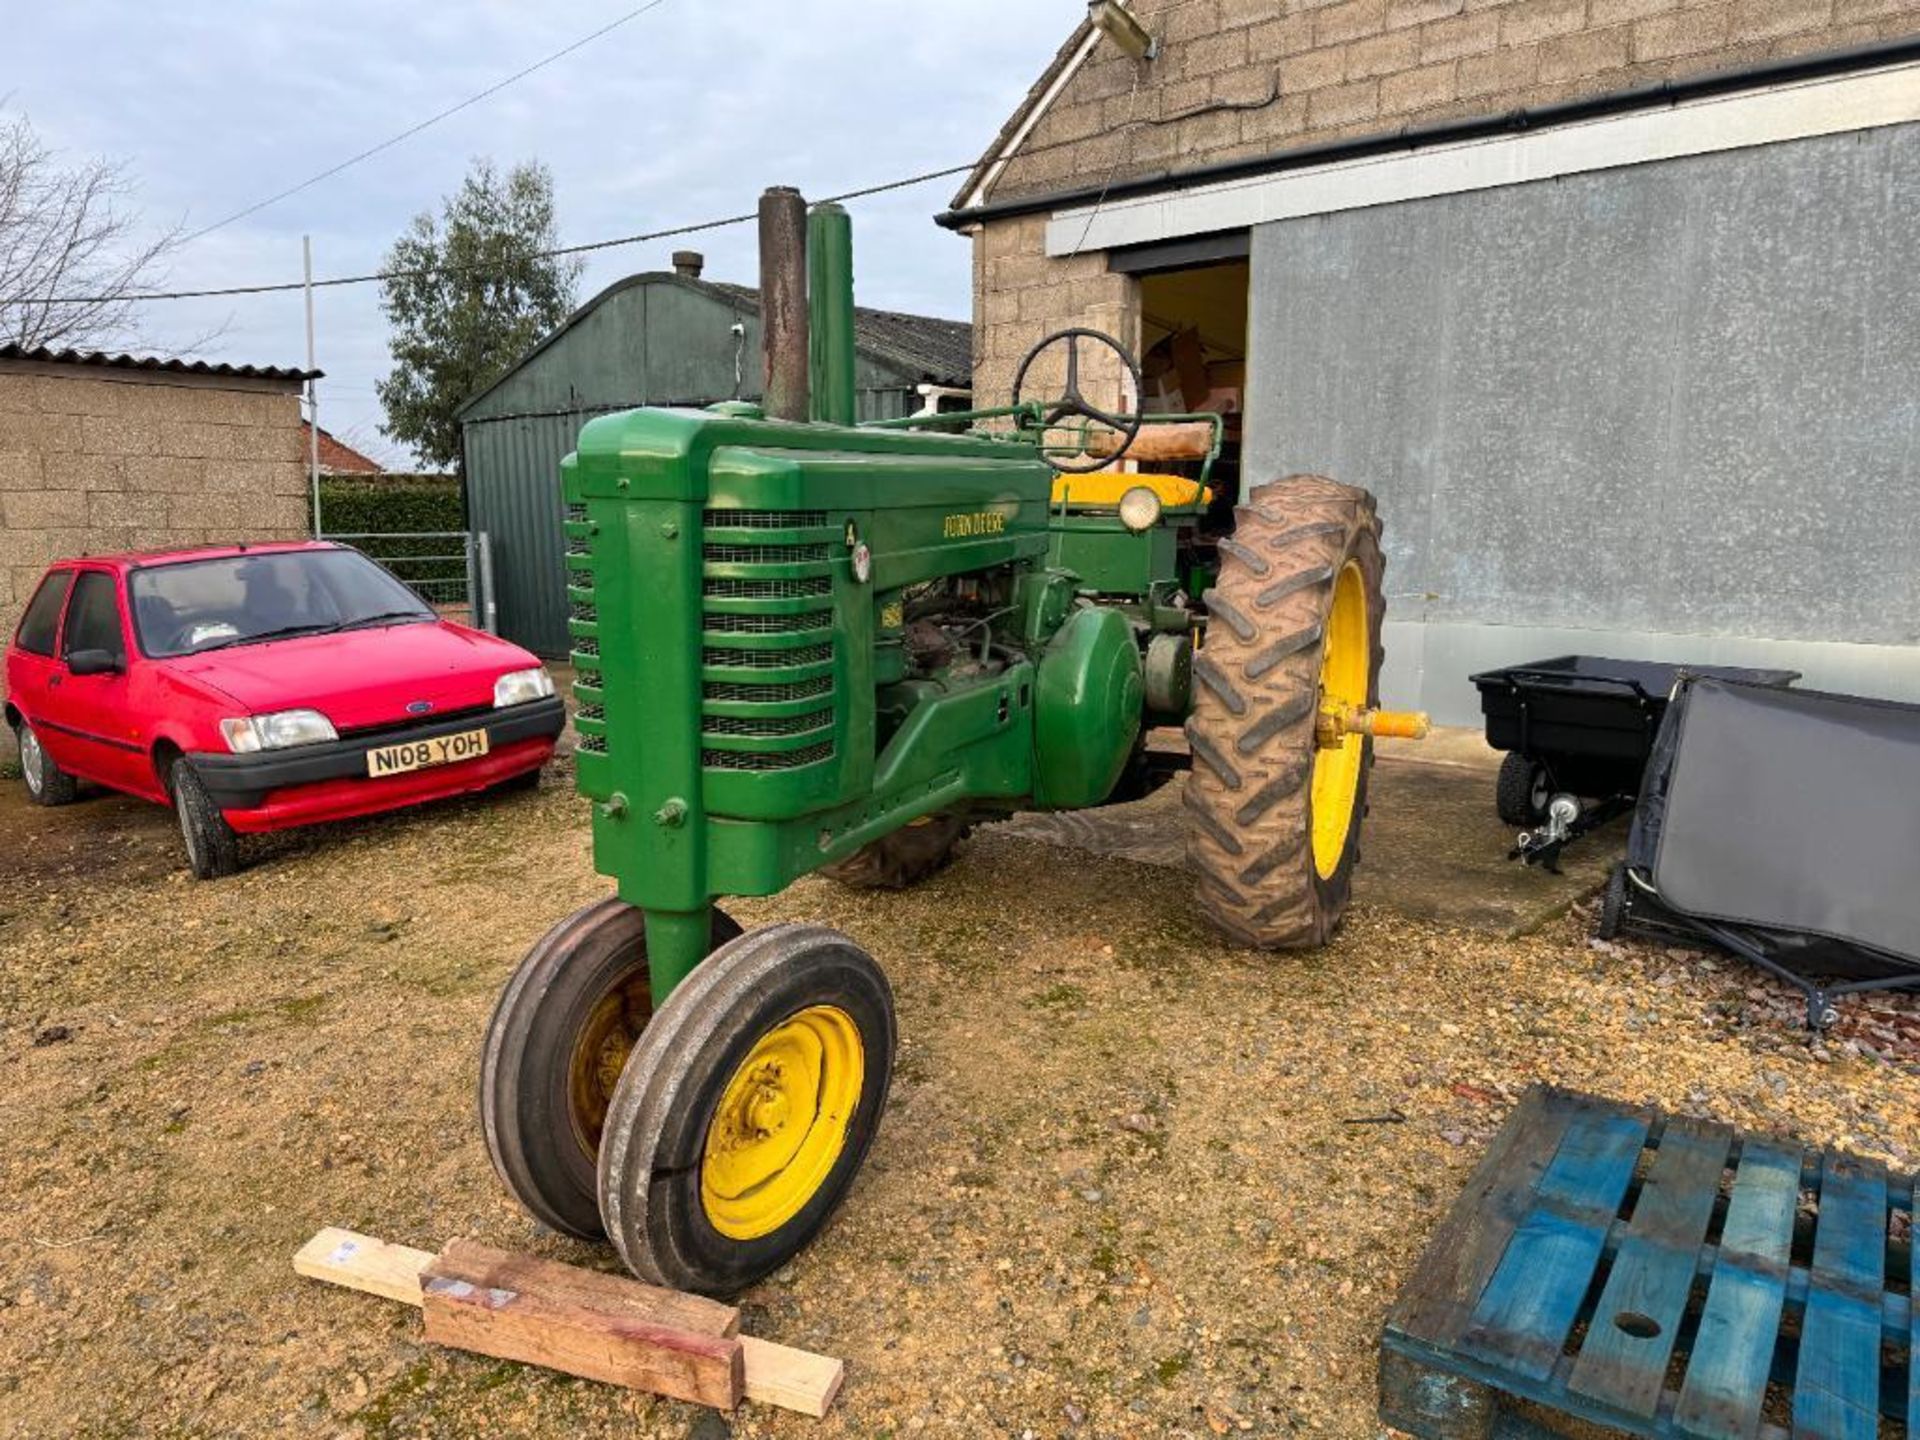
273	789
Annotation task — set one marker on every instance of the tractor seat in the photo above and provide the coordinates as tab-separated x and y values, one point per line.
1104	488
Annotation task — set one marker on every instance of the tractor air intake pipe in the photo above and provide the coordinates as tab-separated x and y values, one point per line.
783	302
830	312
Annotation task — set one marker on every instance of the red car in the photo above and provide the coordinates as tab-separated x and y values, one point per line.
264	686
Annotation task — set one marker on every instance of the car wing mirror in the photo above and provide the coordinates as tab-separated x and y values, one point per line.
94	662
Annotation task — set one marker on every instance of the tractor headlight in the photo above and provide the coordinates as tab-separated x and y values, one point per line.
1139	509
516	687
248	734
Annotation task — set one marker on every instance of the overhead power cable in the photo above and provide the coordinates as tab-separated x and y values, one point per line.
373	277
412	130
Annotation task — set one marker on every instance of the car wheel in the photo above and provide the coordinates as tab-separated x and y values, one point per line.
213	850
47	783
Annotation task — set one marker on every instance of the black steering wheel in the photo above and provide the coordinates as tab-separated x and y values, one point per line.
1072	403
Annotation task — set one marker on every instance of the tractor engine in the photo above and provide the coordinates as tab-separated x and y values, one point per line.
792	640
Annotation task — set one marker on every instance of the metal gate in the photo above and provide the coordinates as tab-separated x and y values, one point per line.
451	570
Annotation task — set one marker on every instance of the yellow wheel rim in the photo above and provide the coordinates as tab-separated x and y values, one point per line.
1345	660
782	1122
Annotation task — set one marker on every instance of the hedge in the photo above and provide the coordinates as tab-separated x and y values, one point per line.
400	505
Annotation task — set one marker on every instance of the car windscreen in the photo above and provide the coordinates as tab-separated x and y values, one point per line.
200	605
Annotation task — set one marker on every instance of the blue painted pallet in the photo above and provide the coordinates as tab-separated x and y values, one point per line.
1664	1277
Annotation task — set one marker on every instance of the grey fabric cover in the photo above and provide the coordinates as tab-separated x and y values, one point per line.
1790	810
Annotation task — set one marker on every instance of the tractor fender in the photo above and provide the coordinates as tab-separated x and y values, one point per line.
1087	703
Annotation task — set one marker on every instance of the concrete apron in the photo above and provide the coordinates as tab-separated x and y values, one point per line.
1432	848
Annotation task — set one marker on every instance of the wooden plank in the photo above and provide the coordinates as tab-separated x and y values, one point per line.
360	1262
781	1375
1623	1362
603	1327
1159	440
1726	1380
1434	1304
1530	1304
792	1379
1836	1389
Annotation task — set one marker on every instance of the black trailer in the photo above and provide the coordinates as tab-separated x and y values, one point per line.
1580	728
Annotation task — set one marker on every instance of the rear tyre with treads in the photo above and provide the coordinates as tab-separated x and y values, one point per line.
1293	628
555	1045
747	1109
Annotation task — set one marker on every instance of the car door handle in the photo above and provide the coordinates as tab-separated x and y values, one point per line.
53	682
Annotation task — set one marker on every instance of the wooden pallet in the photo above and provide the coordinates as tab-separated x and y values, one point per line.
1658	1276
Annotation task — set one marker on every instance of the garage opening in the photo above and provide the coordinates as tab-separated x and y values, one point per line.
1193	340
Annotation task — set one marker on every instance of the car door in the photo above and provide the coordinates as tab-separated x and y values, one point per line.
88	726
32	658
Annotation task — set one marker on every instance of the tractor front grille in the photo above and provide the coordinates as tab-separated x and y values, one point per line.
583	628
768	673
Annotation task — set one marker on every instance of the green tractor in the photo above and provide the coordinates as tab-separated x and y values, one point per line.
807	645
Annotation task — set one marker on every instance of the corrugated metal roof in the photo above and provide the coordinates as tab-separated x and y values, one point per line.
168	364
938	350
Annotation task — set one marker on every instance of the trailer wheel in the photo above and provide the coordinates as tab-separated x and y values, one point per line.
1523	790
1294	630
747	1109
556	1043
1613	905
904	858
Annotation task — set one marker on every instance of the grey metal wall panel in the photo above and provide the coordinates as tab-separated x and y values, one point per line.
513	476
1672	398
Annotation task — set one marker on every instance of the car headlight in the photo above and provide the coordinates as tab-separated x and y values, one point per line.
247	734
516	687
1139	509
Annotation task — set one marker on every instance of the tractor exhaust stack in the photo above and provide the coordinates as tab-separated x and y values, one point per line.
783	302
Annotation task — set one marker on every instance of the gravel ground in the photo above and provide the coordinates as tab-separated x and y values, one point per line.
1130	1182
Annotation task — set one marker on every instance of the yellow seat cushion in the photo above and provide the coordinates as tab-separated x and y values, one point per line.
1105	487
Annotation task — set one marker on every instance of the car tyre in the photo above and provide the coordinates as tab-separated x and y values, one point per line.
213	850
47	783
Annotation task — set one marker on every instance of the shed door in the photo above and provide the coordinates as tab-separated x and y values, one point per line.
1665	407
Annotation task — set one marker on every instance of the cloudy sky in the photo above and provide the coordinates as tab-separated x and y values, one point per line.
682	114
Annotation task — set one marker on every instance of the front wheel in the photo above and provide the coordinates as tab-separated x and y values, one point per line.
213	850
556	1043
747	1109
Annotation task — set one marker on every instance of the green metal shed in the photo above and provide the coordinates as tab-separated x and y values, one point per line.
661	338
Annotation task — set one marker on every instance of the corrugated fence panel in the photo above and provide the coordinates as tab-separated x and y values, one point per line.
513	486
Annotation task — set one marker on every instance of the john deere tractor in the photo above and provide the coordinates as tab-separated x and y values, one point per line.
807	645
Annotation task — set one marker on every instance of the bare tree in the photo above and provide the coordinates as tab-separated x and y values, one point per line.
67	231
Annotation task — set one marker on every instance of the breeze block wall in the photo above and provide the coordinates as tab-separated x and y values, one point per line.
95	460
1239	78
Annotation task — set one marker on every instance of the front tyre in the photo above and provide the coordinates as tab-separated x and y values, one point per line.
47	783
1293	634
213	850
747	1109
556	1043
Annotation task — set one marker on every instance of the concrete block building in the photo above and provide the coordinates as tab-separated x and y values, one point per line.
102	453
1615	304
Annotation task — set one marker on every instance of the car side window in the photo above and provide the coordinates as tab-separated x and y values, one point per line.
93	617
42	618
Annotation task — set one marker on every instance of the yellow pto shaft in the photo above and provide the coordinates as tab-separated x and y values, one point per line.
1334	727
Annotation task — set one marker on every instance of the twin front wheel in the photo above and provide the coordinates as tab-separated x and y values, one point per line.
709	1140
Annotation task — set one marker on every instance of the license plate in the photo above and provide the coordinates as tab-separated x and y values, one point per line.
419	754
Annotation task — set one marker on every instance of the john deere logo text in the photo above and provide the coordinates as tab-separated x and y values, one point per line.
965	527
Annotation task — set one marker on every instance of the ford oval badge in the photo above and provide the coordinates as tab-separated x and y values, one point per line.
419	707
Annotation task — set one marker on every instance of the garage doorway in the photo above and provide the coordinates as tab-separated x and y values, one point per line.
1193	338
